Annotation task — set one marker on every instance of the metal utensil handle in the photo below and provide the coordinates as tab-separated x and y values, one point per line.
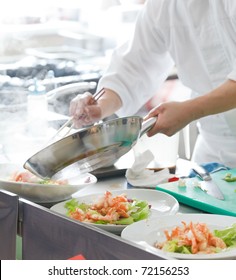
201	172
147	125
68	123
98	94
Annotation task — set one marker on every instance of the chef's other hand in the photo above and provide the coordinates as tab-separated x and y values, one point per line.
171	117
84	111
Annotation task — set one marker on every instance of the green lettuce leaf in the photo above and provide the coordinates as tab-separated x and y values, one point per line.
228	235
172	246
140	210
125	221
71	205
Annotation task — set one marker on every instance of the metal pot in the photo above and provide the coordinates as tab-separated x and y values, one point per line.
89	148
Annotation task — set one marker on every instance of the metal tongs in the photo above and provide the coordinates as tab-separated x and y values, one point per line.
70	123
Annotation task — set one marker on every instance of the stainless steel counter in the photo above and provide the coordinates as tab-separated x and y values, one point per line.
8	225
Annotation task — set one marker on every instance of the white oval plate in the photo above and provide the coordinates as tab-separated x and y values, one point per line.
146	233
161	204
42	193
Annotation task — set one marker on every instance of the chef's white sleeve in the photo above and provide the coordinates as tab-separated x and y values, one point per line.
231	33
139	67
232	74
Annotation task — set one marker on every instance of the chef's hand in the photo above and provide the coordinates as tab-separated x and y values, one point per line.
86	112
171	117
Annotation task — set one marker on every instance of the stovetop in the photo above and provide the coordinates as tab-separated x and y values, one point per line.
51	72
17	77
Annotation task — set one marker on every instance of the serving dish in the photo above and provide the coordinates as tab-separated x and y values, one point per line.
147	233
42	193
161	204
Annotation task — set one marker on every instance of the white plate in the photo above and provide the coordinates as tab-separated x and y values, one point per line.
146	233
42	193
161	204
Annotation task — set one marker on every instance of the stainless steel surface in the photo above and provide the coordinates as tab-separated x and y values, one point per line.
208	184
77	75
68	124
90	148
8	225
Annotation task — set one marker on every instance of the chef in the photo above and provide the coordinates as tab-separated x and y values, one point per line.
199	39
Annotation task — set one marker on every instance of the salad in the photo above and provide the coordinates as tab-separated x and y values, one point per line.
196	238
109	209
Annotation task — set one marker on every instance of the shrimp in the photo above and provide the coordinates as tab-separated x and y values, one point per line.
197	236
22	177
78	214
194	245
103	202
27	177
111	216
217	242
108	209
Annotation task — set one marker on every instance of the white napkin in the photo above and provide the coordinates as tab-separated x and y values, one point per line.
139	176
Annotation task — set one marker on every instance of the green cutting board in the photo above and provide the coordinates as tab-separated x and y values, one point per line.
195	197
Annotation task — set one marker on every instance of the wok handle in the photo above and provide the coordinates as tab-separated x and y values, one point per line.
147	125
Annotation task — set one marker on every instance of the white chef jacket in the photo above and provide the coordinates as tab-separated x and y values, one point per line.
199	38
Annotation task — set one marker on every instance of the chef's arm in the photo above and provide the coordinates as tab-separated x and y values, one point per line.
217	101
173	116
109	103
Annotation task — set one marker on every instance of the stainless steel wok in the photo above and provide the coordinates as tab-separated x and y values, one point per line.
90	148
